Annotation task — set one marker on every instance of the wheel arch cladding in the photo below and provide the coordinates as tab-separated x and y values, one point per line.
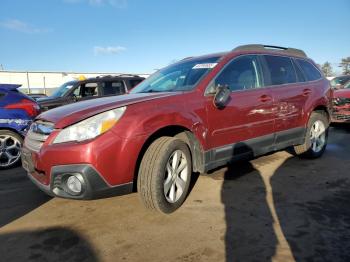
181	133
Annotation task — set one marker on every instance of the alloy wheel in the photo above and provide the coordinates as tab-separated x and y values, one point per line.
317	136
176	176
10	150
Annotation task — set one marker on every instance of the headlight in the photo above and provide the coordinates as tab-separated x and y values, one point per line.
91	127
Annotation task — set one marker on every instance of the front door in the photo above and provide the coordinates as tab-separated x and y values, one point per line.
246	124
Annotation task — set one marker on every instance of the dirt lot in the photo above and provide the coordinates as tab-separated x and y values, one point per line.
276	207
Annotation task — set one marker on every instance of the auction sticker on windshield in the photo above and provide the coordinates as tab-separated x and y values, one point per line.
206	65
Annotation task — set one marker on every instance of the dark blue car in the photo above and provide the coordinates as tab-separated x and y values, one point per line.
17	111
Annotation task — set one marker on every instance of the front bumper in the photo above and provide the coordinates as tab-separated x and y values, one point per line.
341	114
93	185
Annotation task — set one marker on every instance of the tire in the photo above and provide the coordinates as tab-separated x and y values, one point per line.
10	149
163	181
316	137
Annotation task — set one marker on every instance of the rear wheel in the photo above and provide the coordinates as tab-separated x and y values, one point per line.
165	174
10	149
316	137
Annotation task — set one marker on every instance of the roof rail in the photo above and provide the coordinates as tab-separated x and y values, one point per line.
132	75
286	50
188	57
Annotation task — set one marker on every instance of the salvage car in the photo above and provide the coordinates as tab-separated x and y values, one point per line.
192	116
341	105
339	81
17	111
80	90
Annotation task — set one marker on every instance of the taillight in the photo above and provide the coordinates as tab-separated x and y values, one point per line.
30	107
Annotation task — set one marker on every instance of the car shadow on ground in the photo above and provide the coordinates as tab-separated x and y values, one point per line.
51	244
249	232
312	201
18	195
299	211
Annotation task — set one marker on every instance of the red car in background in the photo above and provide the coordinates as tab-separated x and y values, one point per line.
341	104
339	82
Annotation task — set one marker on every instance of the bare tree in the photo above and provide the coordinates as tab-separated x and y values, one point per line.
345	64
327	69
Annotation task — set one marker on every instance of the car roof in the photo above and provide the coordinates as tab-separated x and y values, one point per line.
256	49
9	87
109	77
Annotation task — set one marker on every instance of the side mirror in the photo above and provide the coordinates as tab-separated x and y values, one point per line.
222	96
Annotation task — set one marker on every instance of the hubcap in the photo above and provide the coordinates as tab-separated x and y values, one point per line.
318	136
176	176
10	150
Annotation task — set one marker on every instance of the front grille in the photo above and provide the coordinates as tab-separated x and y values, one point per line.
38	133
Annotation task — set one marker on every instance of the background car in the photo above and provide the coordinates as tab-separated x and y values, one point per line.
75	91
339	81
17	111
341	104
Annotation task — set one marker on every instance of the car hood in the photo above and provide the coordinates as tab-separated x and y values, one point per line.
69	114
342	93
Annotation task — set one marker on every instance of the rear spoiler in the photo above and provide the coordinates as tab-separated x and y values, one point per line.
10	87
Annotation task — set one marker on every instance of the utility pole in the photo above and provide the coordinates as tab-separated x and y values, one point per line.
28	83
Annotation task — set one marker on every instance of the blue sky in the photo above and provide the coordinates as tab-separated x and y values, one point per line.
140	36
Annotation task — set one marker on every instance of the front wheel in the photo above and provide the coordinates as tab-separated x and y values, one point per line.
316	137
10	149
165	174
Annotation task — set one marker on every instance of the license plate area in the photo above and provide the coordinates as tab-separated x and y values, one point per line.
27	161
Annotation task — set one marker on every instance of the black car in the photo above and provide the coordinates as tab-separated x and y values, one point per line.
75	91
37	96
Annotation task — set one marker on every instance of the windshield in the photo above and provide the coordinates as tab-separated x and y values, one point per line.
63	89
347	85
181	76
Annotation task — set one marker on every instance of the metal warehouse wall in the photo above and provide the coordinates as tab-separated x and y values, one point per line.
45	82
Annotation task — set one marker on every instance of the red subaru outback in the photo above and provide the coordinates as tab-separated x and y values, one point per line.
192	116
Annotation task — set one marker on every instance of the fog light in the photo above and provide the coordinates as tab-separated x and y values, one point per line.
74	184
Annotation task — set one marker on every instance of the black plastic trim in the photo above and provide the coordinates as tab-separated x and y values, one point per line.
94	186
253	147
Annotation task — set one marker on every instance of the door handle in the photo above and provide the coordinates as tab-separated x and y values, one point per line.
265	98
306	92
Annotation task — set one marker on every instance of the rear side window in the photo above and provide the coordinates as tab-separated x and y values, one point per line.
241	73
2	95
309	70
281	70
112	88
300	74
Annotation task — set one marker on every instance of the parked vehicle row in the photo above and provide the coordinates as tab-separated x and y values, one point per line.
192	116
80	90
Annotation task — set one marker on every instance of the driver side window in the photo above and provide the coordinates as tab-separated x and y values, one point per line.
77	92
240	74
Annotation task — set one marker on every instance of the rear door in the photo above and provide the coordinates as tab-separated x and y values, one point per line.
290	95
112	88
245	124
